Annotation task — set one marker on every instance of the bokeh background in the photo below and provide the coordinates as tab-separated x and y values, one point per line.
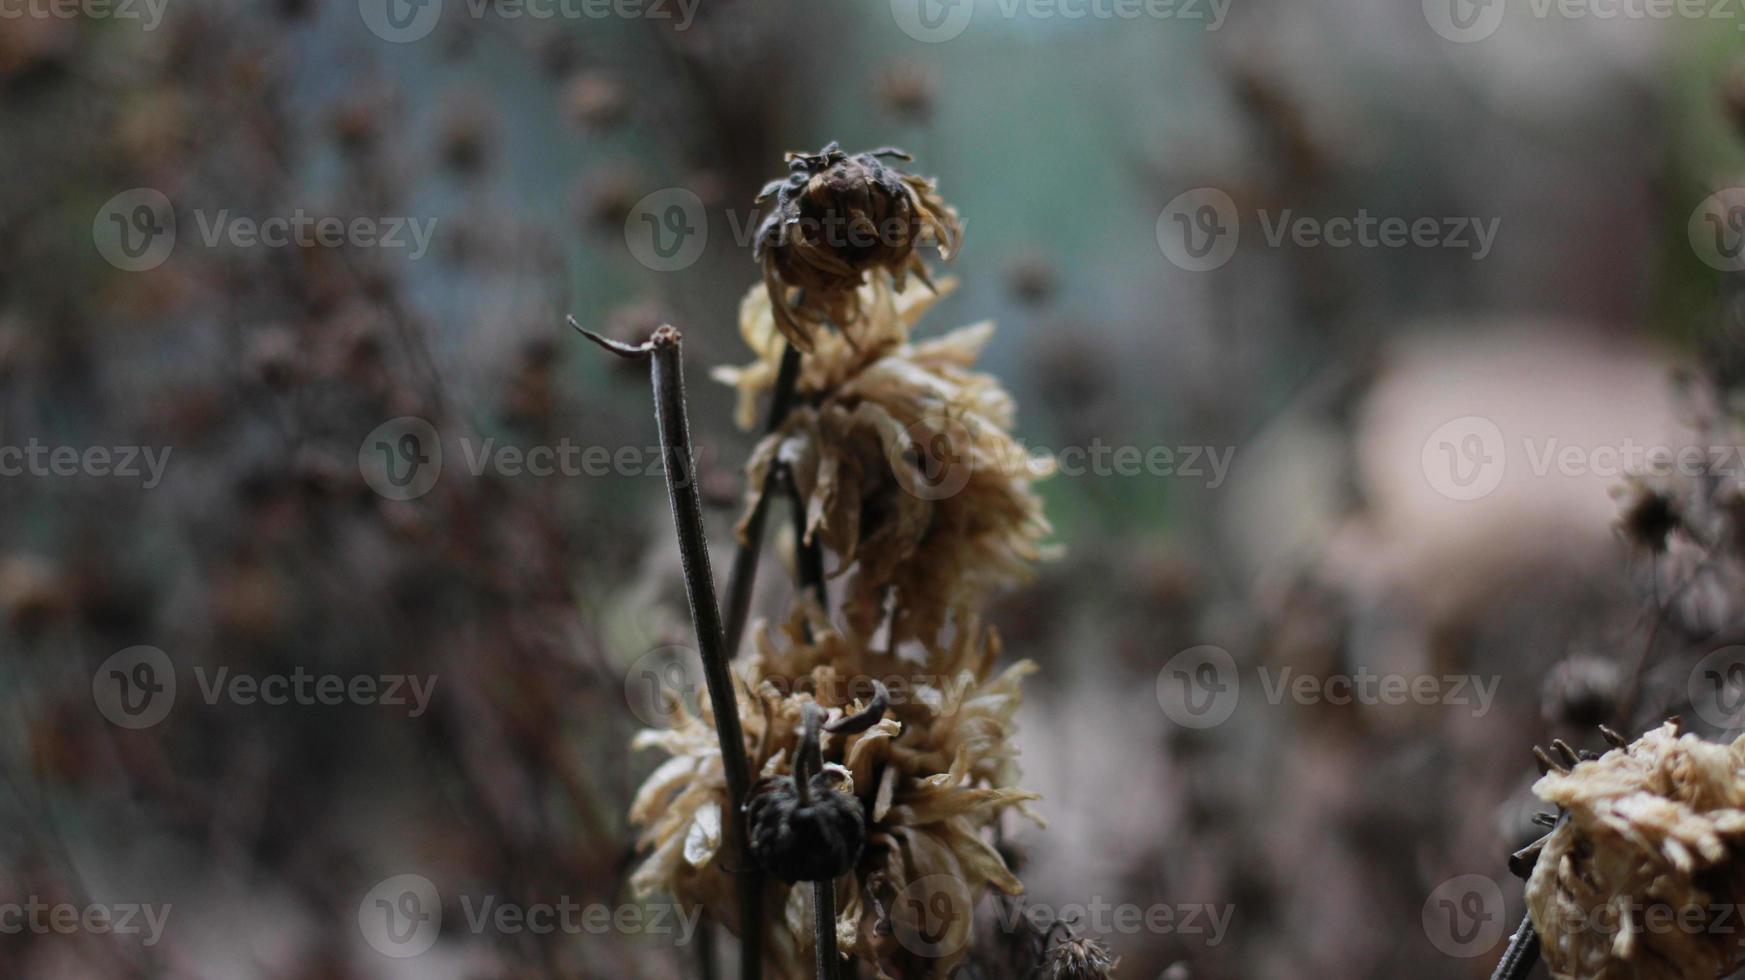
1342	838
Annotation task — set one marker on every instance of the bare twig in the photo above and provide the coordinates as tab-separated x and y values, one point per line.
744	573
824	926
1522	953
808	761
666	371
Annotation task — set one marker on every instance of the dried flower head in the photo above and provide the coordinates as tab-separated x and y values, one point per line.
1631	884
1581	691
931	775
835	218
802	826
1078	959
1648	513
904	458
908	91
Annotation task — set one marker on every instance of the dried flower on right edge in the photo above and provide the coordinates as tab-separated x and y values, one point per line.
1644	879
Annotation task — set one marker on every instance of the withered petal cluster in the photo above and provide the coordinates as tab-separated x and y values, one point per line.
905	460
834	218
932	775
1631	885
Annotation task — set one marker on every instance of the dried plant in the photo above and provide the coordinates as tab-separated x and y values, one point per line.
864	792
1639	875
904	460
833	219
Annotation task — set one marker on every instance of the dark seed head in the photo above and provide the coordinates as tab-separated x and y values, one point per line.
818	839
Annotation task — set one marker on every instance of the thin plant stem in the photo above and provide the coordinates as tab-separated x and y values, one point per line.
706	951
808	555
1522	953
743	575
809	761
824	927
666	371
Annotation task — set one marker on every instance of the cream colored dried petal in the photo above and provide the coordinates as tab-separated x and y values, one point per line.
1650	837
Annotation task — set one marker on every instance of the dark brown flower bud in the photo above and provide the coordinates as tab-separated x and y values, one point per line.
801	827
1078	959
836	217
1647	514
815	839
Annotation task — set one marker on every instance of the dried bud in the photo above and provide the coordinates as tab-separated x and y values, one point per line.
907	91
1078	959
1647	514
596	100
835	218
818	838
1581	691
801	827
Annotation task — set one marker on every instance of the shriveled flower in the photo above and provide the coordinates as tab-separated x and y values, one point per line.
1078	959
1648	512
1580	691
931	774
1632	884
805	826
836	217
904	458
